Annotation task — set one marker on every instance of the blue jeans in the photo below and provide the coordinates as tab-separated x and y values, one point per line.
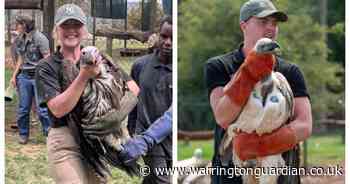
26	91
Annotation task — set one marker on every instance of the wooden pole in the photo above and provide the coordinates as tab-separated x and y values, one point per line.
109	43
8	16
23	4
93	13
48	22
126	21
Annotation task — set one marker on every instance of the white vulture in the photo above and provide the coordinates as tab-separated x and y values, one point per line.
196	161
269	106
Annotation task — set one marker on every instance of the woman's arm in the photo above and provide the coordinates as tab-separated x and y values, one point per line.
66	101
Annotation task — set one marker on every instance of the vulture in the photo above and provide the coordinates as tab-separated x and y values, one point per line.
196	162
269	106
105	100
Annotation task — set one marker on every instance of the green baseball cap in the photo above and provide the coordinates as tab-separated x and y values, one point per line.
260	9
69	11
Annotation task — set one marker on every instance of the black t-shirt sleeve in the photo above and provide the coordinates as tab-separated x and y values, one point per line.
297	82
215	75
136	69
135	72
47	83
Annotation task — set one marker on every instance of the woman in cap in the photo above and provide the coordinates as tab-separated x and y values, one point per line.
67	162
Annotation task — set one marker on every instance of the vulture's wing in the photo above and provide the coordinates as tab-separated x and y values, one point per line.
278	105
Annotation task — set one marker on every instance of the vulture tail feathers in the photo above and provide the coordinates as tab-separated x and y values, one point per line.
91	153
111	157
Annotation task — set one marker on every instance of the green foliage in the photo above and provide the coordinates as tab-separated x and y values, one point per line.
135	16
211	28
336	42
201	36
307	48
206	29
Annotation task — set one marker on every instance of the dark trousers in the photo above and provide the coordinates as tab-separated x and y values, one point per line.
156	162
224	179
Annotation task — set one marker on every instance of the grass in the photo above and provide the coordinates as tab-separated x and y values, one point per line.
185	149
325	150
28	163
322	150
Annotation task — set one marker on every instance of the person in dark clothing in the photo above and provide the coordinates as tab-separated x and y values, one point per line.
258	19
138	146
153	74
31	46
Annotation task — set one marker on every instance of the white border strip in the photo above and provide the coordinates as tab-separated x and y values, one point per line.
175	87
347	91
2	92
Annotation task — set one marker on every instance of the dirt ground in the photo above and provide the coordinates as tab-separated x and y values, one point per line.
325	179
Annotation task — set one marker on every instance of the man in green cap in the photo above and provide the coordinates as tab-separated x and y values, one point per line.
258	19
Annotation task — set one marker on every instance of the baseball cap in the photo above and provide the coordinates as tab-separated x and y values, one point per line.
260	9
23	19
69	11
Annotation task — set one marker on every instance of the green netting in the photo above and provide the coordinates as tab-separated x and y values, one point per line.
114	9
146	15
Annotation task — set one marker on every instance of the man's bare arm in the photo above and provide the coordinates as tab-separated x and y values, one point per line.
225	111
15	72
134	88
302	120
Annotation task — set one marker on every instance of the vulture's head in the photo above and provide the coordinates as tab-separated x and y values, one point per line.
266	46
89	55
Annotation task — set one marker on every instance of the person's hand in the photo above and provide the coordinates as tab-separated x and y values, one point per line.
13	82
90	60
252	70
141	144
90	71
258	66
135	148
250	146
